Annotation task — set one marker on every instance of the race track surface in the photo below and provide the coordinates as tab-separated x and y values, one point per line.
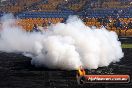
16	71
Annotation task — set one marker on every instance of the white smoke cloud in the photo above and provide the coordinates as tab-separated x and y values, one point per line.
64	46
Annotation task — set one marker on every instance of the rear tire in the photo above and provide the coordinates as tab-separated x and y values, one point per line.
81	80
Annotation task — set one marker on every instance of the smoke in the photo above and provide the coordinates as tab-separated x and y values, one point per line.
64	46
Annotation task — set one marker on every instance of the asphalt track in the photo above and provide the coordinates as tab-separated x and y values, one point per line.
16	71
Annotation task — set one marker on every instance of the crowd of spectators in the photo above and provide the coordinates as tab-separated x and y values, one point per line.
91	8
117	23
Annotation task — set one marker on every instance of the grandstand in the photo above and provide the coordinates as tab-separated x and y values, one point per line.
115	15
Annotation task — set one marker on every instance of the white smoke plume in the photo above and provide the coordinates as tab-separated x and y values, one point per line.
64	46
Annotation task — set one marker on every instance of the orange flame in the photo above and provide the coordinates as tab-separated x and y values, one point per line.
81	71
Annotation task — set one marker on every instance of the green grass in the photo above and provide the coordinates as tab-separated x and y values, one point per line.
126	45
